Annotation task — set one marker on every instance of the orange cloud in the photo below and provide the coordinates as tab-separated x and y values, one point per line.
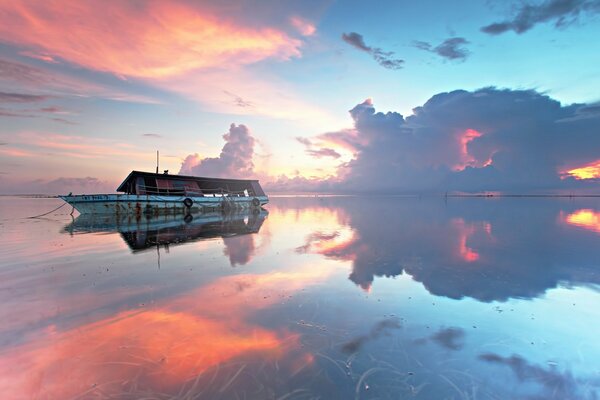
150	40
589	171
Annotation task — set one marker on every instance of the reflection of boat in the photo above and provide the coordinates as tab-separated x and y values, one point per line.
149	232
149	193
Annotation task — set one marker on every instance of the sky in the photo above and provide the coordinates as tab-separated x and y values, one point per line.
311	96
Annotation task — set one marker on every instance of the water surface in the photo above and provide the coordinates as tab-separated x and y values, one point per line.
315	297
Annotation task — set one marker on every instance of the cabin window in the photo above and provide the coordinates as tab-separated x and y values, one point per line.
150	184
140	186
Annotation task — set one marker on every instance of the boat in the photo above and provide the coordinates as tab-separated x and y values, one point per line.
147	193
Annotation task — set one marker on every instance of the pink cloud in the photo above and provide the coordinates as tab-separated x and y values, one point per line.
303	26
151	39
235	160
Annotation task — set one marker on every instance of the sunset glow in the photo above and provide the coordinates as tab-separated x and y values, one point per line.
166	39
586	218
465	231
162	347
467	160
590	171
323	95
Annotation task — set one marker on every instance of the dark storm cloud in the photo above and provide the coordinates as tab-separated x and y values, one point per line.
450	49
560	12
6	97
385	58
235	160
488	139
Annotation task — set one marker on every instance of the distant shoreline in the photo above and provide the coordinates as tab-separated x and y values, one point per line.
454	195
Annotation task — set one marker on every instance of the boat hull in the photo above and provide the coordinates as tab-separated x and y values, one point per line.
158	205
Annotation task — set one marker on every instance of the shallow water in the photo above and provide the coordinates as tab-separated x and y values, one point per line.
328	297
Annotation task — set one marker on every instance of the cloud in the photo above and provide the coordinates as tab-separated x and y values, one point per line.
151	39
152	135
323	152
7	97
176	46
450	49
4	112
490	139
384	58
54	110
61	185
235	160
303	26
238	101
17	75
298	184
560	12
484	140
317	152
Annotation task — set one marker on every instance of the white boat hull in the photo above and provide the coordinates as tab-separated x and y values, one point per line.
157	204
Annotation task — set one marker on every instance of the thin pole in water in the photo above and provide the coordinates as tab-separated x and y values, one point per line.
157	161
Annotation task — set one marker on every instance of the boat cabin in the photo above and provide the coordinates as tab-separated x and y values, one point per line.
147	183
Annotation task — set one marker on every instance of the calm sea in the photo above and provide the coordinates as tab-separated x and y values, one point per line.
313	298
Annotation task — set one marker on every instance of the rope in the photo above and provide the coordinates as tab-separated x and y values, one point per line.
41	215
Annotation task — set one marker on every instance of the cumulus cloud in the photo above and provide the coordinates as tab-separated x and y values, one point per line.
560	12
235	160
488	139
450	49
518	141
385	58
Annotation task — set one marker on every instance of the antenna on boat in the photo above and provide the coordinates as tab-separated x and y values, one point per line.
157	161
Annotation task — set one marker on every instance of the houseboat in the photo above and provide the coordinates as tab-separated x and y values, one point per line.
153	194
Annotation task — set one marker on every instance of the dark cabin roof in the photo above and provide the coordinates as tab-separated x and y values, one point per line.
135	174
